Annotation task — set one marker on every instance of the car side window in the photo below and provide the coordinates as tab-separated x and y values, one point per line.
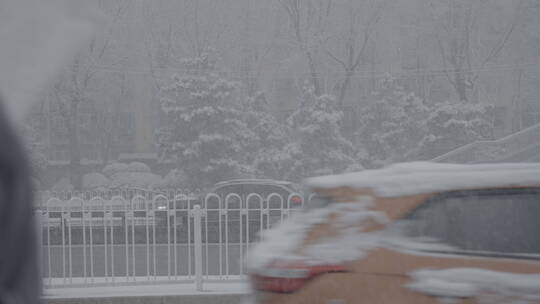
499	221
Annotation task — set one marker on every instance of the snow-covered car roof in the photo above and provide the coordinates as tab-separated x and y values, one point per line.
426	177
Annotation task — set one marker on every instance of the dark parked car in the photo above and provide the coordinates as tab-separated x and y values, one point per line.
274	194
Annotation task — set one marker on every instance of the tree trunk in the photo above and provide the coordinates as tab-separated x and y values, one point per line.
107	149
74	147
461	87
343	89
314	76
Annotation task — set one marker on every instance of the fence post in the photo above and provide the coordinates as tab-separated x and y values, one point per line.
198	246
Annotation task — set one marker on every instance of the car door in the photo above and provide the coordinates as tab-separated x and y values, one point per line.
480	246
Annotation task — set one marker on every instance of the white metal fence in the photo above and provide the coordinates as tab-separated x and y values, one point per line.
122	238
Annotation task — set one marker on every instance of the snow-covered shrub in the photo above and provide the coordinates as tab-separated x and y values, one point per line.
135	180
95	180
62	185
175	179
138	167
276	162
113	168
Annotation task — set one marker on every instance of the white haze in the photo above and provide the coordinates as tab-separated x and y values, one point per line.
38	38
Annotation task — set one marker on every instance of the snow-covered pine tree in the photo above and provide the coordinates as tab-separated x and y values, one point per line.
451	125
393	125
272	158
204	132
399	126
318	145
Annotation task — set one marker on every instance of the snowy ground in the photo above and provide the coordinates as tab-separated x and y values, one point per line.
177	289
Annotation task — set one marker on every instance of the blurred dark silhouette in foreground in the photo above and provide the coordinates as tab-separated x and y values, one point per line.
19	269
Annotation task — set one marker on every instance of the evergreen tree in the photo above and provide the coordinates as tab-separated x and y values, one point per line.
399	126
318	146
393	125
271	158
455	124
204	131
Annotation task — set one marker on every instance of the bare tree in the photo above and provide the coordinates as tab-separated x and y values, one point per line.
457	34
308	20
109	124
354	43
252	52
73	91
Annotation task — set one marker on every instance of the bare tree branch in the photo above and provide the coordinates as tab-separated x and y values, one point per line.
293	9
353	55
497	48
341	62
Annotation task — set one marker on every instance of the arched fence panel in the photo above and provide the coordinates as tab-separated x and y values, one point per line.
126	236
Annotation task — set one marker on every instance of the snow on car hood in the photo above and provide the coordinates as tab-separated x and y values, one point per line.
488	286
425	177
350	244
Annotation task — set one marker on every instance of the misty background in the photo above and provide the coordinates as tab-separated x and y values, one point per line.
183	94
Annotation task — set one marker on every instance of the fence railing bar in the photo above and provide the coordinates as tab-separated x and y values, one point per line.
126	240
83	219
133	263
168	243
91	247
147	241
227	244
205	214
105	245
49	263
111	216
63	223
189	238
241	243
248	239
154	217
70	239
198	247
175	243
220	216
